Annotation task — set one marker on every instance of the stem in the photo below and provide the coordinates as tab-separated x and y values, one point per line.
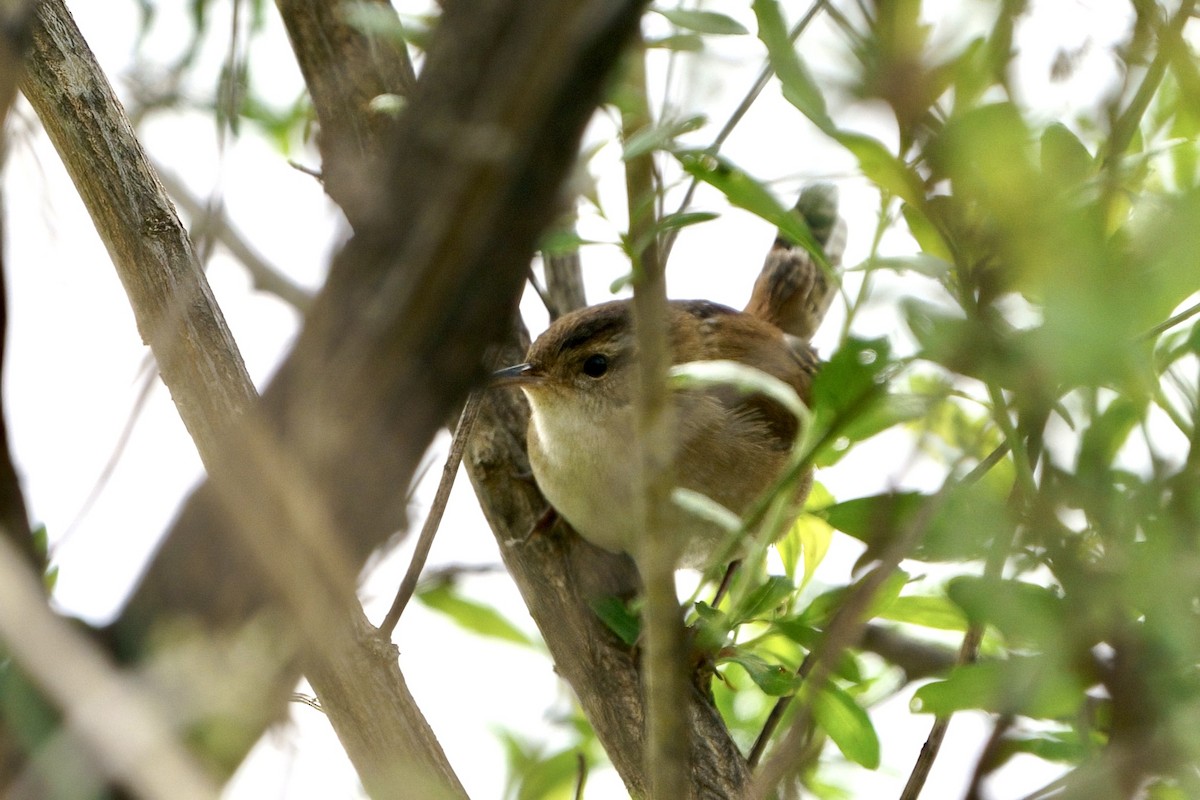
667	731
425	541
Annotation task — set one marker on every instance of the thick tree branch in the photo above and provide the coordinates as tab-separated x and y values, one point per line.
394	341
176	313
560	575
345	69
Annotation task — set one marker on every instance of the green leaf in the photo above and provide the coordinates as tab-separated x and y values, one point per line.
616	614
707	22
679	43
821	610
1106	435
561	242
960	529
922	264
808	538
552	777
740	376
882	166
1025	613
847	724
926	233
764	599
928	611
745	192
661	136
799	88
852	377
471	615
886	412
1035	686
1064	156
774	679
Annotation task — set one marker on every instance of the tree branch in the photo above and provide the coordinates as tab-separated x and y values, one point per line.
560	575
175	310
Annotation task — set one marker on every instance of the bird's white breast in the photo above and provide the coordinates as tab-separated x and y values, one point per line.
584	464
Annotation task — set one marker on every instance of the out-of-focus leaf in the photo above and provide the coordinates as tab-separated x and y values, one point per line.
763	599
1064	155
928	611
679	43
471	615
850	383
614	613
561	242
1061	746
1024	613
823	607
808	538
706	22
1032	686
888	411
1105	436
926	234
661	136
551	777
798	85
847	724
963	524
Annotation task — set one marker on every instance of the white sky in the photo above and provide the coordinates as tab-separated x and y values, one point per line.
74	366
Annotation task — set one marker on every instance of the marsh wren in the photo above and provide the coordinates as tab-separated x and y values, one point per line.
580	377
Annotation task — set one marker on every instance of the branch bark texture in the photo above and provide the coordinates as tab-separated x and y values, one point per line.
559	576
469	177
176	313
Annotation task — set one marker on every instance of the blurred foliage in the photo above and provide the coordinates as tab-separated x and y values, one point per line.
1043	368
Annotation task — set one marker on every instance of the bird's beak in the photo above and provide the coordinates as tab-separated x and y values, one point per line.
518	375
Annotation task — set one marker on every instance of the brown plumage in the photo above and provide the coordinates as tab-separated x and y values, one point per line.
579	378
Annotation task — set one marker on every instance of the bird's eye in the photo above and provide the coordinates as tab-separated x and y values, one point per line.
595	365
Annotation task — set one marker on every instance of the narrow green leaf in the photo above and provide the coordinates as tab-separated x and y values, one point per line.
707	22
660	136
616	614
848	725
679	43
881	166
471	615
745	192
799	88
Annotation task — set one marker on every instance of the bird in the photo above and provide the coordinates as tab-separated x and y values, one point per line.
580	376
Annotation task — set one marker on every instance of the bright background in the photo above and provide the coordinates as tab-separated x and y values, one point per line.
76	372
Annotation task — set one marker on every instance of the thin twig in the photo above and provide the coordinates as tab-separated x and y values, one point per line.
968	652
581	774
425	542
760	83
266	277
988	759
1166	325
